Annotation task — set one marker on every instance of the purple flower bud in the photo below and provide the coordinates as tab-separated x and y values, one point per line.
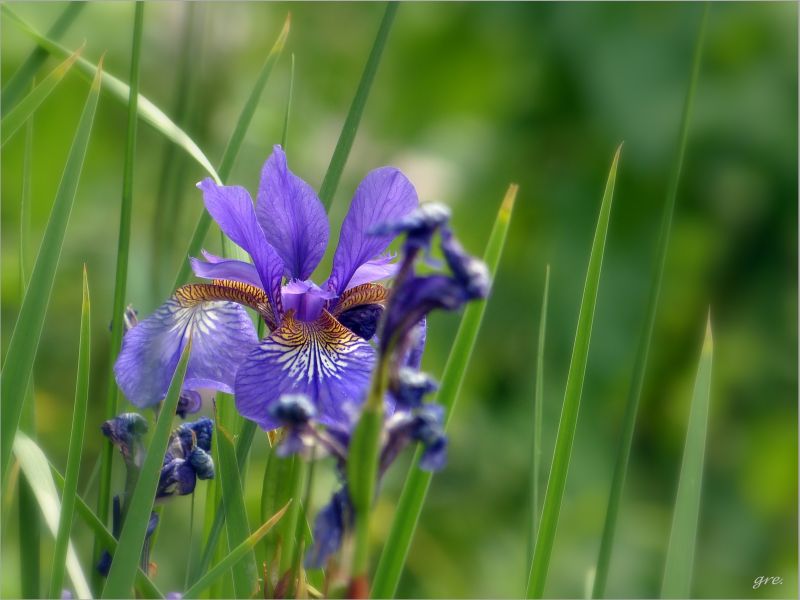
293	409
125	431
190	402
329	528
410	386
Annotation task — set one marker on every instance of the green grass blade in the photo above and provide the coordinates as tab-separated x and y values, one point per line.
232	149
121	274
287	113
353	119
683	536
36	468
643	349
131	539
244	572
16	117
30	543
235	555
28	329
572	398
143	583
415	489
538	401
243	442
75	446
148	111
20	80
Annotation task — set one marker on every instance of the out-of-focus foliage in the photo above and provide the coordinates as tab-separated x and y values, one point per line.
469	97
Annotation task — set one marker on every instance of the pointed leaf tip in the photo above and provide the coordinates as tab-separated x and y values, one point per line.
508	201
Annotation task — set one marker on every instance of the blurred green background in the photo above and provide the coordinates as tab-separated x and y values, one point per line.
469	97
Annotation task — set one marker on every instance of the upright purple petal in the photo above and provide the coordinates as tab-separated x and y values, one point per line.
321	359
373	270
292	217
222	336
216	267
232	209
384	195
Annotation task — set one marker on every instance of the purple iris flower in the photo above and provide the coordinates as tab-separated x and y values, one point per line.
187	459
318	344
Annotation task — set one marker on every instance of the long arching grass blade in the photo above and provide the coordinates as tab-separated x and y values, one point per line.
121	274
75	446
244	572
34	465
234	144
30	543
351	123
143	583
643	350
538	401
682	538
28	329
19	81
16	117
572	398
409	507
148	111
131	538
233	556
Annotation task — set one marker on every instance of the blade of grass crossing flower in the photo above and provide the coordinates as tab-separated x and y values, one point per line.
131	539
36	468
235	555
147	111
20	80
28	328
30	543
75	446
538	401
121	275
143	584
680	552
409	507
234	144
572	398
353	119
643	349
286	115
17	116
244	572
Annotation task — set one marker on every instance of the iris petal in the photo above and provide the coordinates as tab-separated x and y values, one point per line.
232	208
373	270
292	217
322	359
222	335
384	195
216	267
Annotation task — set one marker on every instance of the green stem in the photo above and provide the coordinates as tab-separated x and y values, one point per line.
121	278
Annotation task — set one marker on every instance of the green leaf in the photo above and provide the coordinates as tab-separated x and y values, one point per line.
75	445
148	111
538	401
683	536
34	465
143	584
417	482
572	398
17	116
20	80
287	113
643	349
233	556
131	538
234	144
244	572
121	274
351	123
28	329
